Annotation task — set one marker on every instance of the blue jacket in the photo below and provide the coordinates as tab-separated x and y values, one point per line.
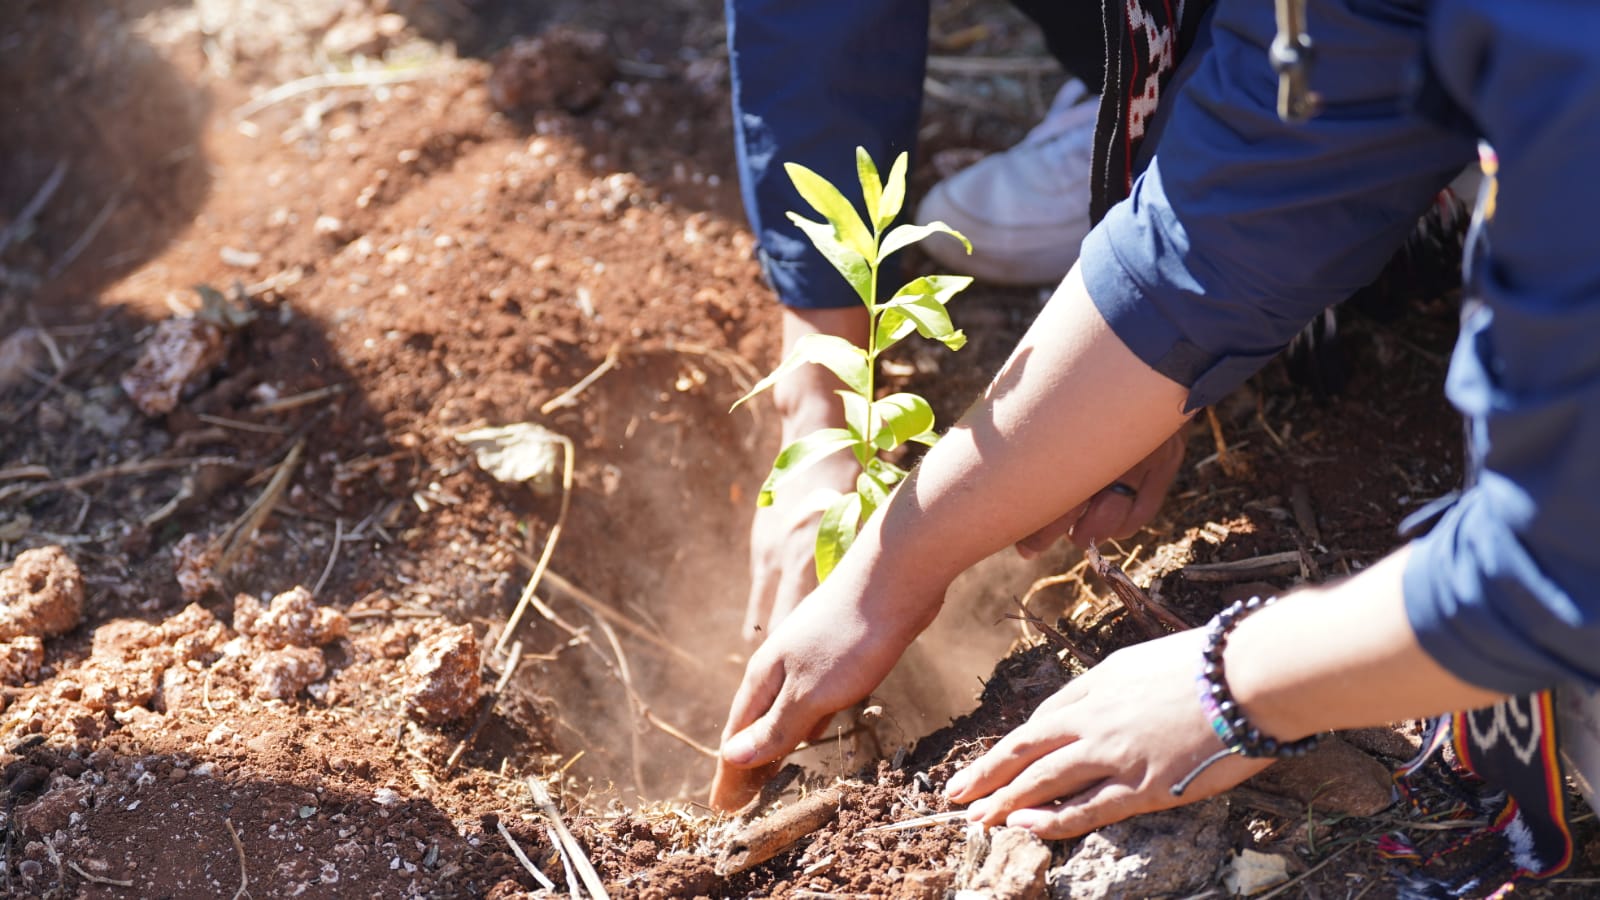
1243	228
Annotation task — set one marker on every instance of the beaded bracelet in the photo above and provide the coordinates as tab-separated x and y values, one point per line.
1227	719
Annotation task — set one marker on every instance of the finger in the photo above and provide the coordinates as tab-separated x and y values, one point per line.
732	789
1103	520
1005	760
1064	772
757	690
1153	486
774	734
1096	806
798	580
1040	541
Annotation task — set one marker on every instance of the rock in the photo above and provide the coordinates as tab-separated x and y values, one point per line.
53	811
194	563
1015	867
41	595
1252	872
1335	779
180	353
442	680
281	674
292	619
20	660
930	884
563	67
1170	852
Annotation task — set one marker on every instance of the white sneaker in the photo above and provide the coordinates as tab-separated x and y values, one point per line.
1026	210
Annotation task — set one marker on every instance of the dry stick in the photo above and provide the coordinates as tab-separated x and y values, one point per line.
635	702
673	731
333	556
487	712
527	864
591	879
1230	466
238	845
35	206
16	472
296	401
236	425
1268	566
549	548
1084	658
566	863
1132	596
955	815
327	80
570	395
776	833
238	535
98	879
132	467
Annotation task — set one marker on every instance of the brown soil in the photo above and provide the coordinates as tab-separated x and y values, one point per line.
288	567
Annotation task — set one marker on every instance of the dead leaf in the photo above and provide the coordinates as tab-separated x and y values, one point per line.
524	452
1253	872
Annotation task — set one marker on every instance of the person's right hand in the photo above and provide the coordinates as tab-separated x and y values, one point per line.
830	653
783	535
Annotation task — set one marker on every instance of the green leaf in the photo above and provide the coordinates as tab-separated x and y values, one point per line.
886	473
921	303
841	357
927	440
836	533
801	454
871	184
894	194
873	493
900	418
905	235
855	413
832	205
852	265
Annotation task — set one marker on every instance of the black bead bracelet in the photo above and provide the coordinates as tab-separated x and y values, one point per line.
1227	719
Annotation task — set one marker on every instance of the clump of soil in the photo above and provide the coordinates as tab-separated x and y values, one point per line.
442	680
41	595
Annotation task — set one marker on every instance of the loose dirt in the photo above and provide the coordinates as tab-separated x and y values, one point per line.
255	583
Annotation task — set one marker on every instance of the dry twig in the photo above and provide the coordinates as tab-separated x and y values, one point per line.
770	836
239	534
591	879
327	80
333	556
295	401
952	817
527	864
1084	657
238	845
1140	604
1271	565
527	597
98	879
570	395
132	467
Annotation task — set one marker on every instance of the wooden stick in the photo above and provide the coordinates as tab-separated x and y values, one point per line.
591	879
566	863
1084	657
132	467
549	548
326	80
768	837
954	815
1268	566
1132	596
97	879
238	535
527	864
333	556
35	206
15	472
570	395
244	875
296	401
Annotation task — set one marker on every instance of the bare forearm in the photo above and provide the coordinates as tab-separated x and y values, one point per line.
1342	656
1071	410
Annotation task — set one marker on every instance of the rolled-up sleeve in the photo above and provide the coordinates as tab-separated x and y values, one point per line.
1243	228
811	82
1505	591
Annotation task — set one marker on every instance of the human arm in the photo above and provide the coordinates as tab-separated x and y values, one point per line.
1325	658
1071	402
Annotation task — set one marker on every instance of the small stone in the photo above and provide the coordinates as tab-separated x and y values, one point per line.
1335	779
442	680
283	673
21	660
41	595
1173	852
1015	867
177	356
292	619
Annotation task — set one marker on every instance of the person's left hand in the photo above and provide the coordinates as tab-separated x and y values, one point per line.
1109	745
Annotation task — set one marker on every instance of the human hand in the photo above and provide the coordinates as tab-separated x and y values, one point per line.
1109	745
1118	510
830	653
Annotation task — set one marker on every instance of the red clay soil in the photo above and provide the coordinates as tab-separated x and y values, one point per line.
237	344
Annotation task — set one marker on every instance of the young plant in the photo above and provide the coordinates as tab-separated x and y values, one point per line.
874	426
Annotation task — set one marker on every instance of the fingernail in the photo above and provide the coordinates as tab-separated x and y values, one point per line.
957	785
977	811
739	749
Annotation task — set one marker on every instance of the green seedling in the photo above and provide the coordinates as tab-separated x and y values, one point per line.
857	248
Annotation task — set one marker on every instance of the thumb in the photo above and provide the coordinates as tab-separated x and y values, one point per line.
769	738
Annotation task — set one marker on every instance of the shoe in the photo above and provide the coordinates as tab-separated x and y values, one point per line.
1026	210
